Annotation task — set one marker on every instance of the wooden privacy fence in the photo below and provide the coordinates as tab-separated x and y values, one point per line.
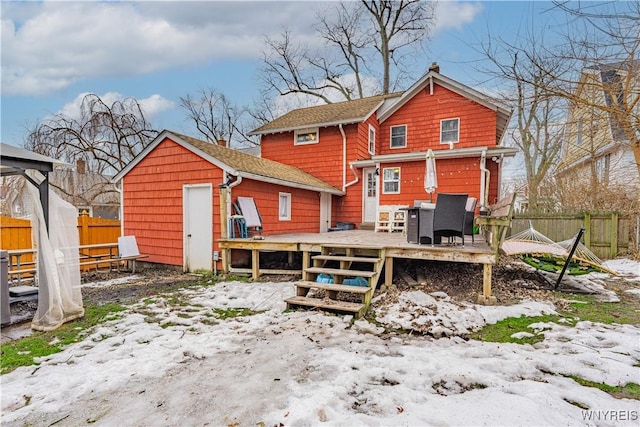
16	235
607	234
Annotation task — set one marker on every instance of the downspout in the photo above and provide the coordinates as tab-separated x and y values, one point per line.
484	182
344	157
121	208
229	187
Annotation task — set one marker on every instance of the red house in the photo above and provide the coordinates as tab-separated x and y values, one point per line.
319	166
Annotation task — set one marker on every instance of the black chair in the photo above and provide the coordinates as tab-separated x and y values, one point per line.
448	217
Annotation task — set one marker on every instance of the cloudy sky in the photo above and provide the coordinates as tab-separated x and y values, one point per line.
55	52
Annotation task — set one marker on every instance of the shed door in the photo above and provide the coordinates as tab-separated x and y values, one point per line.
370	196
325	212
198	227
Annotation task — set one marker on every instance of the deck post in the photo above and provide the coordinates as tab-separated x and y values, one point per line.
388	271
306	259
486	298
255	264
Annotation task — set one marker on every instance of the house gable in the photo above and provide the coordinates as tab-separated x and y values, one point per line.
423	113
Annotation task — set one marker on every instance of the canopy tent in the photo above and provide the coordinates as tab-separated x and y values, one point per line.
30	165
430	177
55	235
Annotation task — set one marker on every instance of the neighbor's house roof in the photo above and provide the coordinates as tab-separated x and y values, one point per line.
359	110
238	164
346	112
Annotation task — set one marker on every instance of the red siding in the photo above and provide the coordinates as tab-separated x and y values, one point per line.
305	207
153	196
422	115
323	160
153	200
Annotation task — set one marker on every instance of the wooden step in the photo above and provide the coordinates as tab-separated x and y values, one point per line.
327	304
334	287
345	258
340	272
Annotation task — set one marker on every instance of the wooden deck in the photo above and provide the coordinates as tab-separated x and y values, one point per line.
391	245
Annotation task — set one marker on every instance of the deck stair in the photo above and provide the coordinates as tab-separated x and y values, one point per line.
343	264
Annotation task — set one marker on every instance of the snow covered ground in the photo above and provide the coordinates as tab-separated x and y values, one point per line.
171	361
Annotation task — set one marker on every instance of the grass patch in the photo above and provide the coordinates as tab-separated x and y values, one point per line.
39	344
626	311
503	330
628	391
229	313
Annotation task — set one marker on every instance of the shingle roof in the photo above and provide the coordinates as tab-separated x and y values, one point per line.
324	115
258	167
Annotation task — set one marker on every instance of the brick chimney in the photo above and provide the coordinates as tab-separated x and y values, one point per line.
81	166
434	67
222	142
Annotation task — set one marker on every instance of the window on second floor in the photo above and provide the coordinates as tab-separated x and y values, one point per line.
372	140
306	136
602	168
449	131
284	209
391	180
579	132
398	136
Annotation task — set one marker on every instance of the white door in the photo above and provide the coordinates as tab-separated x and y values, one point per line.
197	227
325	212
370	195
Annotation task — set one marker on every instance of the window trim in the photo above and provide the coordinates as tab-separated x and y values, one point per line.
372	143
306	131
287	216
391	146
457	119
384	180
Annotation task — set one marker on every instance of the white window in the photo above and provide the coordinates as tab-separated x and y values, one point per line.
602	168
579	138
391	180
449	131
306	136
284	210
372	140
398	136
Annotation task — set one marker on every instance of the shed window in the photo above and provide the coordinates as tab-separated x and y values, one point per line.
391	180
284	209
306	136
398	136
449	131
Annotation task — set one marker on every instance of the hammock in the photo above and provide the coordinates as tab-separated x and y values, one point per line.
532	242
584	254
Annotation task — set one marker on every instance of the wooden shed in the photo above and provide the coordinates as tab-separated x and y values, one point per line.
178	194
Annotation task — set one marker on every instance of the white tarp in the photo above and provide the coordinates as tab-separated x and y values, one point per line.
57	262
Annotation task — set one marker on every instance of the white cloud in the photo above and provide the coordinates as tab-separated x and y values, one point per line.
151	106
64	42
454	14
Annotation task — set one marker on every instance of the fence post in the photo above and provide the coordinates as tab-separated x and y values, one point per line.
84	228
587	229
614	235
5	308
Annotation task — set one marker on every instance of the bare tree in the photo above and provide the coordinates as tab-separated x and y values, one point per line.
537	124
106	137
361	40
216	118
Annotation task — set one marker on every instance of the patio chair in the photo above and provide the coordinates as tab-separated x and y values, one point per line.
469	214
448	217
246	207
